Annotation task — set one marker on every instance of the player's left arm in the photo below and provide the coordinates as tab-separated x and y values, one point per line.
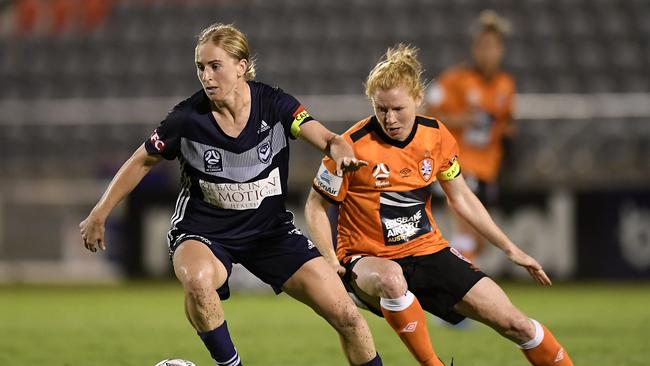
333	145
466	205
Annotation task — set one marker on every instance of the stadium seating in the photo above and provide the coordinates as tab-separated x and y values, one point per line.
319	47
326	47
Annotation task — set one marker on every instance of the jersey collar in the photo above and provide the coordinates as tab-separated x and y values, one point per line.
376	127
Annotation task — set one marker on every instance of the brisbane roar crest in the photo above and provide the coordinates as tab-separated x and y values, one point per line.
426	167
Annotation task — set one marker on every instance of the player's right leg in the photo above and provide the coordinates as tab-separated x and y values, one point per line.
384	279
201	274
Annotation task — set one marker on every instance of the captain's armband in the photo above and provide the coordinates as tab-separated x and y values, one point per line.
452	172
300	116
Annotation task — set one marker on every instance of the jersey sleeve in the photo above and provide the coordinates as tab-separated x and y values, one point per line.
332	187
450	167
509	107
292	113
166	138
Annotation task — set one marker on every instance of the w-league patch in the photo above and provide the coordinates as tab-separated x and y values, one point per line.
212	161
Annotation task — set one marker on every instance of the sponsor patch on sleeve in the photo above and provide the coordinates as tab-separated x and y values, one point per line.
450	173
299	116
157	143
328	182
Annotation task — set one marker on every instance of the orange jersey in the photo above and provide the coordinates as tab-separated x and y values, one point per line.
385	208
464	90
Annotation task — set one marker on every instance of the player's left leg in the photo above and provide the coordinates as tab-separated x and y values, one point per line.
381	283
318	286
487	302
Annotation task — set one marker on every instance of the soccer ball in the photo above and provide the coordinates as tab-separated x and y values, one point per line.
175	362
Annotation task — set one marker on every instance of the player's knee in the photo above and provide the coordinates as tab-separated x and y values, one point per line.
518	327
346	316
197	280
391	282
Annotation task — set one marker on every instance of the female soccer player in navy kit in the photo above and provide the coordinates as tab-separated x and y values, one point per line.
231	139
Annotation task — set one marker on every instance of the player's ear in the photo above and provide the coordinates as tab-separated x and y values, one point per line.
419	99
242	66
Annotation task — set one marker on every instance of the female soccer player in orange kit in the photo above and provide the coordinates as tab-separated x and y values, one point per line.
476	102
390	252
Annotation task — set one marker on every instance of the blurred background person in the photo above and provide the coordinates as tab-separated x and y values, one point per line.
475	99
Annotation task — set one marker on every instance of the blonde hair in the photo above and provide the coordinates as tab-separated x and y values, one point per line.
399	66
233	41
490	21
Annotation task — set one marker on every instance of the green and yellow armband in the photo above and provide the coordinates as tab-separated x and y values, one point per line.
298	119
451	173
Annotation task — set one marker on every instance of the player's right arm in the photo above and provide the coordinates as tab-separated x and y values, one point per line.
320	228
126	179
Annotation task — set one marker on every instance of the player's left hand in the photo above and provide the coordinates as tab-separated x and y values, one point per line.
532	266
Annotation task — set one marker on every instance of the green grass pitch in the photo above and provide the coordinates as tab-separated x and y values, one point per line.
142	323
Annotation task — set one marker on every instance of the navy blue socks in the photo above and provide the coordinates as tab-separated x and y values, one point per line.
221	348
374	362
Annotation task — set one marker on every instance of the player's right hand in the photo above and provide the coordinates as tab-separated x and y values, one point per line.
92	233
532	266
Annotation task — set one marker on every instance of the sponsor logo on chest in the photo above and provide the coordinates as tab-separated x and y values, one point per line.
242	196
401	229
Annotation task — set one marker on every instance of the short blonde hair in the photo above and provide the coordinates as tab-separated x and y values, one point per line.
399	66
233	41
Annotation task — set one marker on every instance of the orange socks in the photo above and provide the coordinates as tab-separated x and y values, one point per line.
544	349
406	317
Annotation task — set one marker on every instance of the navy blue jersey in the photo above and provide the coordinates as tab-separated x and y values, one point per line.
231	188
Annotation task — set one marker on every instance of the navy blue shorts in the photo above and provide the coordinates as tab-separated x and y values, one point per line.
438	280
273	259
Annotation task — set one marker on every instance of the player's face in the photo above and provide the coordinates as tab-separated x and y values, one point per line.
218	72
395	109
487	51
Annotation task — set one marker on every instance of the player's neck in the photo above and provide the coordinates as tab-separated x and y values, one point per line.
235	104
486	73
